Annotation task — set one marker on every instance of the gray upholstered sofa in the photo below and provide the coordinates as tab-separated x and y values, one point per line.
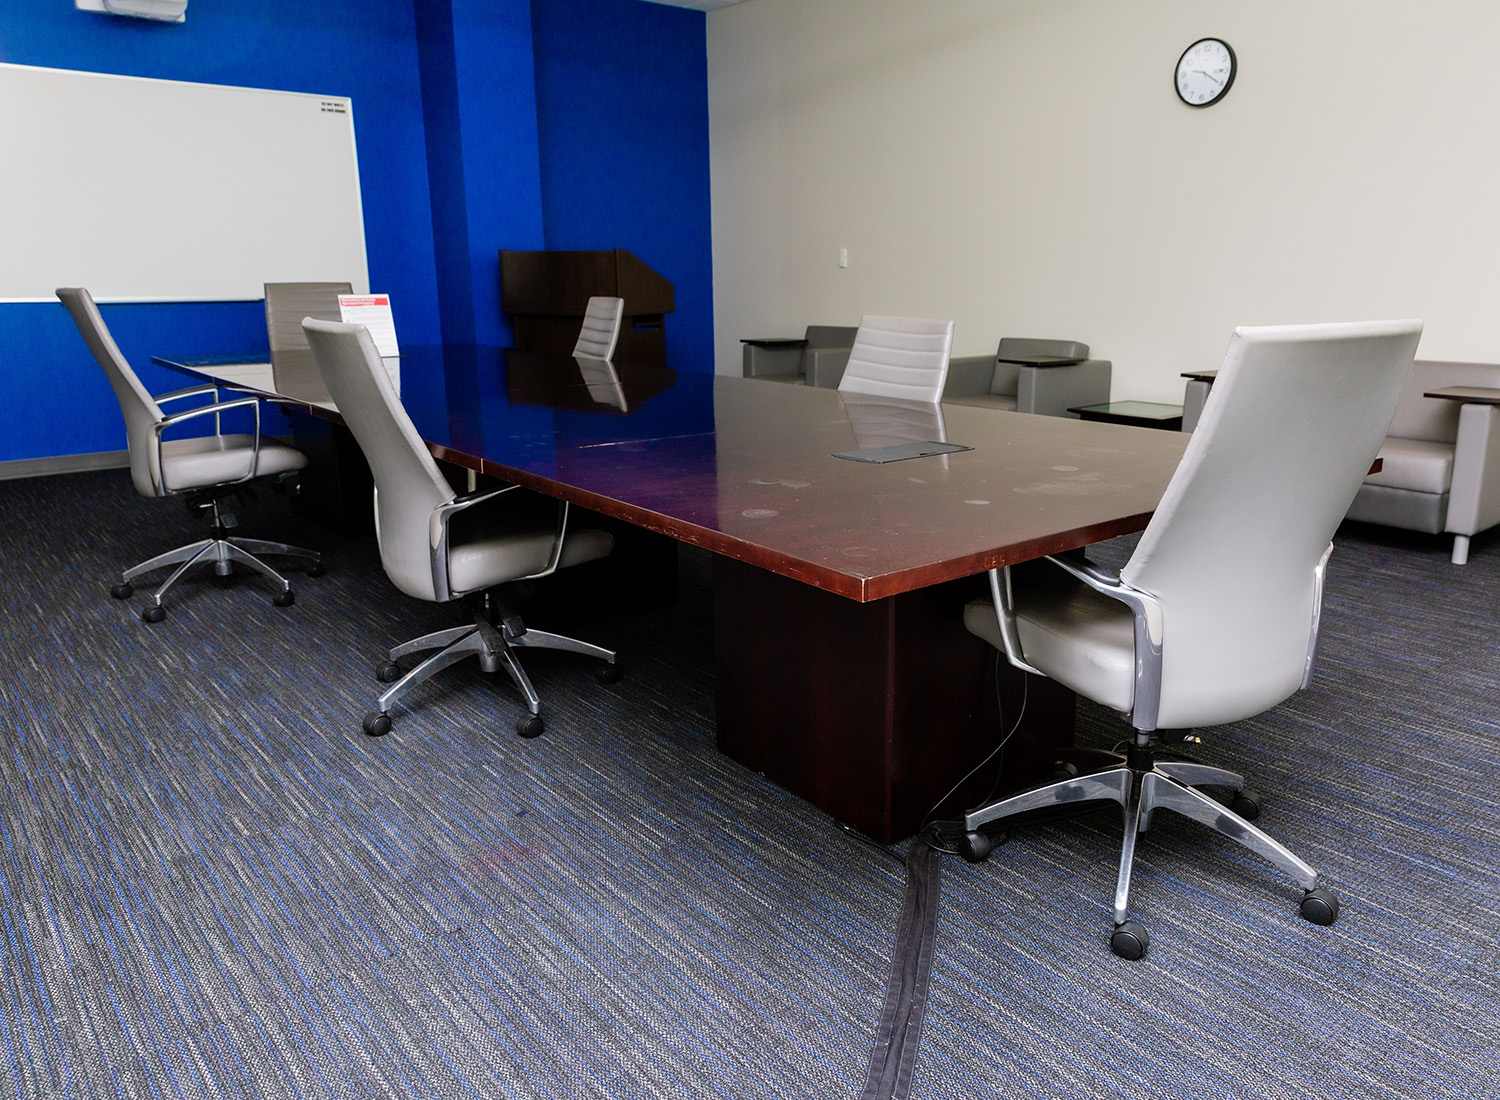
1441	459
824	350
992	382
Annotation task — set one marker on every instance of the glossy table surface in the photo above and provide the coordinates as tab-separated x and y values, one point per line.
746	468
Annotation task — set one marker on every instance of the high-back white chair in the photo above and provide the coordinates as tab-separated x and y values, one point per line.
206	469
1214	618
601	328
899	357
438	546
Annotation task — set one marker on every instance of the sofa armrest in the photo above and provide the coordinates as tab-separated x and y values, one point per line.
824	367
1051	391
1474	499
772	357
969	376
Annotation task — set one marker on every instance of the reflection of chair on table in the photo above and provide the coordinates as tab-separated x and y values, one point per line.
1214	618
602	381
206	470
439	547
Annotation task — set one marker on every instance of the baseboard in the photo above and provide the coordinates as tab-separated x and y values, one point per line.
63	464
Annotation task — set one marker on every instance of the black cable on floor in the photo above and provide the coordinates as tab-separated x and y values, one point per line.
899	1035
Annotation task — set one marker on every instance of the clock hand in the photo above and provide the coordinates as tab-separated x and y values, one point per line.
1210	76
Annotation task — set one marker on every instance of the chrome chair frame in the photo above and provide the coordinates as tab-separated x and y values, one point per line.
1139	781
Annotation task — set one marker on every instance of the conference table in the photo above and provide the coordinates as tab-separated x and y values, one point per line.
842	669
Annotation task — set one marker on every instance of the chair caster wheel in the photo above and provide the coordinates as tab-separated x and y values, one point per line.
388	673
316	569
608	674
1320	906
154	614
122	591
285	599
530	725
377	723
1246	803
1130	940
975	847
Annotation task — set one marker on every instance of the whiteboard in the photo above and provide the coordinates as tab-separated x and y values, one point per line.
167	191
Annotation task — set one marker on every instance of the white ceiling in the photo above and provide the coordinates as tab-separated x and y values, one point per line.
697	5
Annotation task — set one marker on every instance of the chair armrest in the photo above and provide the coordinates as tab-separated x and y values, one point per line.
214	409
772	358
824	367
969	376
437	533
1474	497
1319	572
1051	391
191	391
1146	699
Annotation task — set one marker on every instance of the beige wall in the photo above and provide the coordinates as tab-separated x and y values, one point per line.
1025	168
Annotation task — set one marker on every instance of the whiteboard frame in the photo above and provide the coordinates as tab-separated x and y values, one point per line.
351	207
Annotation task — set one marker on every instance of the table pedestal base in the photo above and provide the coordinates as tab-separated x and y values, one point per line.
872	711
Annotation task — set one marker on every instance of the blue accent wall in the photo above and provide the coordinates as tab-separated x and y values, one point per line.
54	396
622	109
480	125
479	95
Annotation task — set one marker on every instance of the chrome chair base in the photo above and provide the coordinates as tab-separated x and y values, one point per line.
1142	784
495	648
221	551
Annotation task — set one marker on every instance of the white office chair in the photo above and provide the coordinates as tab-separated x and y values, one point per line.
601	328
1214	619
205	470
437	546
903	357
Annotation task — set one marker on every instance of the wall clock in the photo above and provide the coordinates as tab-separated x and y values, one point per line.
1205	72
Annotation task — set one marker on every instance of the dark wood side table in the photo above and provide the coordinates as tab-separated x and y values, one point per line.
1139	414
1469	395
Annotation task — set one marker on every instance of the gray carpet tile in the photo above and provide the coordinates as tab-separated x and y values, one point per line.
212	884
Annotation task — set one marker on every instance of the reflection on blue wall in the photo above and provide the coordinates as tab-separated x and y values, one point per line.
622	101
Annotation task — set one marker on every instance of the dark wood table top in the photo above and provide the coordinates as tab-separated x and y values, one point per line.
1472	395
747	469
1201	375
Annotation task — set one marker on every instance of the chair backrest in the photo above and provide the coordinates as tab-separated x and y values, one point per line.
899	357
140	410
601	328
1296	416
1433	418
288	303
408	484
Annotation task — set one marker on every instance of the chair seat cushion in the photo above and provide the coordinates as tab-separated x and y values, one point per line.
1416	464
511	537
216	459
1006	401
1079	638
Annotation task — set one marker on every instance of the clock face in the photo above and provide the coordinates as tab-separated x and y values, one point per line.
1204	72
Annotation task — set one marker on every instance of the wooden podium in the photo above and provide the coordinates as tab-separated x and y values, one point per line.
545	294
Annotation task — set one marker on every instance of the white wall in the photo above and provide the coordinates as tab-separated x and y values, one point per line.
1025	168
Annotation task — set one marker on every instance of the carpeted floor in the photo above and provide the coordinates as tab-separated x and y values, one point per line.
213	885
